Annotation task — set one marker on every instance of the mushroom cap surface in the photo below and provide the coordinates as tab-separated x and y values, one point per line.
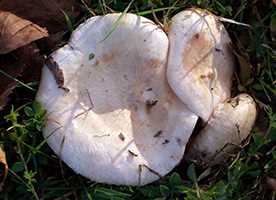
200	63
229	125
117	121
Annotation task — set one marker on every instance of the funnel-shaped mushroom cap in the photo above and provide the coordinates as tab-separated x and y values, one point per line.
200	64
118	122
229	125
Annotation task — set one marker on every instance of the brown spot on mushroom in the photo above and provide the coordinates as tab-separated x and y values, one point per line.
150	104
202	76
132	153
179	141
197	50
107	57
153	62
196	36
210	76
121	136
166	141
158	134
218	50
52	120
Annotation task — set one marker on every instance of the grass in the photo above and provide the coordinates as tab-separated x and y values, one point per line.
35	172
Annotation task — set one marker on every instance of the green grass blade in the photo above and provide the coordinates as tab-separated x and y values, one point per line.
117	22
16	80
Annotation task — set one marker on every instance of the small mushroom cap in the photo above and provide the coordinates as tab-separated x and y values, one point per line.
229	125
118	122
200	64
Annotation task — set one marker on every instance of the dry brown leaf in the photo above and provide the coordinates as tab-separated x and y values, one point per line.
3	168
33	61
16	32
245	70
44	13
10	65
26	62
274	1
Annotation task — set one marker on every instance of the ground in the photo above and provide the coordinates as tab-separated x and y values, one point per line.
35	172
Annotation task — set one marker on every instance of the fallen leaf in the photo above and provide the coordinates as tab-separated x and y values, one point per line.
44	13
9	67
16	32
3	168
245	71
16	36
24	63
274	1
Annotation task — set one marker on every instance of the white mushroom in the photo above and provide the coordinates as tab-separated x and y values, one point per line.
229	125
200	65
112	116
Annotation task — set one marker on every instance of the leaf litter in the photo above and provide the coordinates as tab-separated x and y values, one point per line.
24	39
16	32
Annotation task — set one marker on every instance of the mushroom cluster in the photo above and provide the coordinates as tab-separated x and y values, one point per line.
123	97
